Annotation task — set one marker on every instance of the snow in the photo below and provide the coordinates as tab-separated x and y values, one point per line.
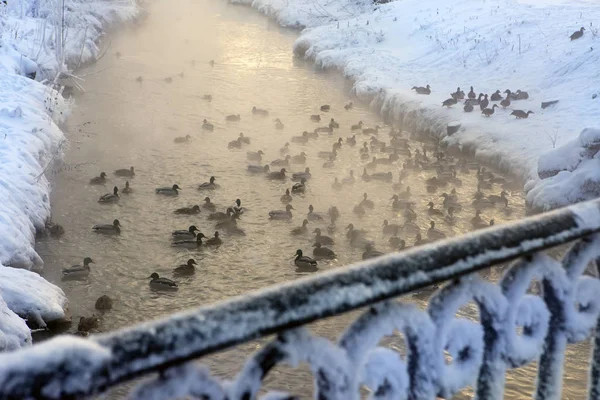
31	141
493	45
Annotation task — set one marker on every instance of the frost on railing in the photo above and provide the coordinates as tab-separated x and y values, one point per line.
444	353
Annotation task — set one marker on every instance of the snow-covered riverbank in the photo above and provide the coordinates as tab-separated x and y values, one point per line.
38	40
491	45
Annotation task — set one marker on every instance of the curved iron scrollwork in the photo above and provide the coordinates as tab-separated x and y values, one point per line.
444	353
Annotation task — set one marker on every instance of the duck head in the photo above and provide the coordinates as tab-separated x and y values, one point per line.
430	204
238	202
287	192
196	208
311	208
394	197
317	231
191	262
116	190
176	187
289	207
350	227
87	261
432	224
116	223
386	222
283	171
307	170
207	200
154	276
317	245
212	179
192	228
216	234
298	253
102	175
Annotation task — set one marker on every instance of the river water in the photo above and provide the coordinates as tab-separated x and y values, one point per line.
122	121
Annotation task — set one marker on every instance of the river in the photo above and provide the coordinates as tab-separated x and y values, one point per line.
149	89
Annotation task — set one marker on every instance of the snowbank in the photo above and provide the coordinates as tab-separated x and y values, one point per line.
32	61
491	45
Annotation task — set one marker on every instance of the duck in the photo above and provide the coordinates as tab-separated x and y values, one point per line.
103	303
577	34
337	185
285	149
188	210
371	131
282	162
125	172
257	169
394	241
449	102
334	124
127	189
86	324
390	228
208	204
328	155
255	155
207	97
282	215
235	144
351	141
158	283
450	219
450	201
233	118
422	90
409	214
433	233
333	213
319	238
472	94
520	114
338	145
302	261
301	230
323	129
434	211
182	139
185	234
382	176
259	111
297	176
349	180
187	268
277	175
489	111
229	223
287	197
325	107
110	197
315	118
168	191
299	158
78	271
108	229
484	103
312	215
458	95
365	175
220	216
189	243
474	101
321	252
215	240
400	204
278	124
506	102
243	139
496	96
299	187
357	127
210	185
411	228
366	203
238	209
477	221
499	199
357	240
359	210
350	228
372	164
207	126
349	106
99	180
419	241
370	252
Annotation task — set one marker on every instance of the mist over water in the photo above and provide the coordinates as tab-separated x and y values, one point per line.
120	122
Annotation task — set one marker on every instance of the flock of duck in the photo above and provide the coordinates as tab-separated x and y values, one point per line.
395	152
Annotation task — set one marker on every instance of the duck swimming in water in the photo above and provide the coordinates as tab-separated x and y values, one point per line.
433	233
259	111
125	172
333	124
99	180
220	216
301	230
257	169
366	203
321	252
185	234
298	176
312	215
299	158
207	126
78	271
278	124
277	175
394	241
108	229
110	197
370	252
190	243
168	191
315	118
186	269
282	215
127	189
209	205
419	241
188	210
215	240
299	187
326	240
233	118
182	139
434	211
349	180
302	261
210	185
243	139
255	155
282	162
390	228
158	283
287	197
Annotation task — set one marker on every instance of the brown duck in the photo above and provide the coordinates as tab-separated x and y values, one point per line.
489	111
506	102
484	103
476	101
496	96
472	94
422	90
520	114
519	95
458	95
577	34
468	108
449	102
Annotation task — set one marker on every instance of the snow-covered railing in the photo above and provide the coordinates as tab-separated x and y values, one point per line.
516	327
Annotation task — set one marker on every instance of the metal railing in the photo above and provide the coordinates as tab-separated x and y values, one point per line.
516	327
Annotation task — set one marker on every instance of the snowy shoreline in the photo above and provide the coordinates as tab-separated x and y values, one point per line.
39	46
493	45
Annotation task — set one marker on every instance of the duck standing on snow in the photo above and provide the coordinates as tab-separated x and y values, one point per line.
496	96
99	180
168	191
282	215
108	229
302	261
449	102
472	94
125	172
484	103
520	95
78	271
458	95
488	112
321	252
520	114
110	197
188	210
158	283
422	90
468	108
210	185
577	34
